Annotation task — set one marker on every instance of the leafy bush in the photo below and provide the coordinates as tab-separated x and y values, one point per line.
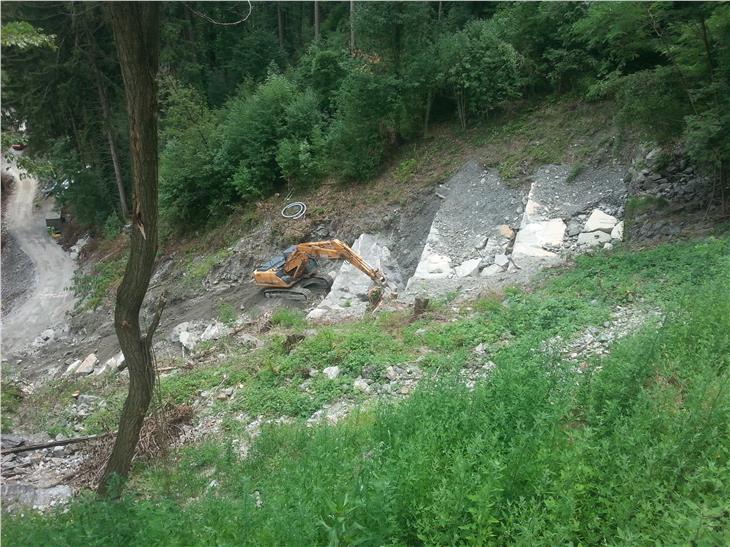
253	126
112	227
653	100
365	122
484	71
192	183
93	288
287	318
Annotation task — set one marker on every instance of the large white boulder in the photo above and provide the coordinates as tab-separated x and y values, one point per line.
593	239
87	365
600	221
618	231
468	268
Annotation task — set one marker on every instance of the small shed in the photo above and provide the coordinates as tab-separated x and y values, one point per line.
55	219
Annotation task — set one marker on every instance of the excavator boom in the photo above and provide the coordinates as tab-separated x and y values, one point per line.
336	249
298	266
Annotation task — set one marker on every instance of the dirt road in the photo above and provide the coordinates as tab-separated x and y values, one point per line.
50	297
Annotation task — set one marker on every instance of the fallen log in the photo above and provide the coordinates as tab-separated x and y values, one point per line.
30	447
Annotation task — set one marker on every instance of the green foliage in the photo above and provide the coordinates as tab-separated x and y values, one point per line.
653	100
575	172
286	317
10	399
484	70
92	289
364	123
199	267
112	227
23	35
253	126
227	314
192	186
235	128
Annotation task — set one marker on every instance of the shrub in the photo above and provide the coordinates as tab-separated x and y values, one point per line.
365	122
192	184
112	227
253	127
484	71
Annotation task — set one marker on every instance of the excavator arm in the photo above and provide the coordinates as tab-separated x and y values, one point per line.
290	274
333	249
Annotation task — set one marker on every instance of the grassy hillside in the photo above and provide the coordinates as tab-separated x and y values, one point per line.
630	447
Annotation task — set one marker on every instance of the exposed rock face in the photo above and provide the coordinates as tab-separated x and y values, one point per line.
483	218
87	365
670	197
348	297
478	207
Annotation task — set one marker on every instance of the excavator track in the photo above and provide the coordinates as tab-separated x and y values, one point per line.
317	282
295	293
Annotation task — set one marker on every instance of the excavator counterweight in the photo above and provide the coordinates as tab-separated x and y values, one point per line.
293	273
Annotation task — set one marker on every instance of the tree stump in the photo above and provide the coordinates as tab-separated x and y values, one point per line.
420	305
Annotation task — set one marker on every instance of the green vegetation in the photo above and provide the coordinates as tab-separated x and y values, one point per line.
93	288
632	448
575	172
264	107
198	267
227	314
286	317
10	400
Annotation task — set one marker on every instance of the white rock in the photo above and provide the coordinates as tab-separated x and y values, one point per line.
535	235
600	221
492	269
331	372
214	331
112	364
468	268
72	367
607	246
501	260
481	349
188	340
178	330
593	239
391	373
481	243
361	385
87	365
618	231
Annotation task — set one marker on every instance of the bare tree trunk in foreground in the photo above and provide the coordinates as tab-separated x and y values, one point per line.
136	34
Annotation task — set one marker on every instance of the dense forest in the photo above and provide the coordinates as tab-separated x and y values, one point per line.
258	98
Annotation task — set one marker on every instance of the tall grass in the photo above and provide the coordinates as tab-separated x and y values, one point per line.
633	451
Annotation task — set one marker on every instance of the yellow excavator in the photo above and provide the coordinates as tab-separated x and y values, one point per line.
295	272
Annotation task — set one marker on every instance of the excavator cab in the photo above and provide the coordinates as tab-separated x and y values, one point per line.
276	266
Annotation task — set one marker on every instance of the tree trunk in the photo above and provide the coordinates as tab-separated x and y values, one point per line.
280	21
708	49
316	19
136	34
106	114
352	25
427	115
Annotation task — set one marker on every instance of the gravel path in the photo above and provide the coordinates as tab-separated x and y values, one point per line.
50	297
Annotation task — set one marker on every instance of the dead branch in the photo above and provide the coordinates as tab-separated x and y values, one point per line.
28	448
211	20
